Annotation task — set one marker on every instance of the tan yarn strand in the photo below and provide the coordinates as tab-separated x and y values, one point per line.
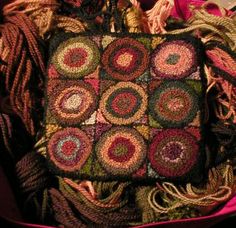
218	190
157	207
204	27
69	24
43	14
211	19
172	189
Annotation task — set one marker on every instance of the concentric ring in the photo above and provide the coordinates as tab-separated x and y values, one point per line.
69	149
174	60
125	59
173	153
76	57
121	151
73	102
174	104
124	103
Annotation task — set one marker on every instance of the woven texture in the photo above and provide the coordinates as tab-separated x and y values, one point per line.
125	107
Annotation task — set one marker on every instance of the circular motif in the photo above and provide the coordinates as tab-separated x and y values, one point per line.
125	59
173	153
76	57
174	59
69	149
174	104
73	102
121	151
124	103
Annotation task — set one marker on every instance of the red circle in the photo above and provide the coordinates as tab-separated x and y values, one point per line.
68	147
168	161
136	66
125	143
75	57
124	103
131	65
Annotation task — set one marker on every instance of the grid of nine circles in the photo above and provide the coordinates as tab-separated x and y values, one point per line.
100	78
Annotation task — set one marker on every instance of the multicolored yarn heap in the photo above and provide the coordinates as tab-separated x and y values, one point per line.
65	201
119	118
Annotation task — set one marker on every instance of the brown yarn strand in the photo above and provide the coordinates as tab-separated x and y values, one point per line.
6	132
24	23
41	12
31	173
20	37
114	218
95	200
62	211
148	214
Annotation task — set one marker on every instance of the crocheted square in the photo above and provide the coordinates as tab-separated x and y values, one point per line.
125	107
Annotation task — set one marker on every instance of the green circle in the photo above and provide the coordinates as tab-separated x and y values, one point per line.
185	115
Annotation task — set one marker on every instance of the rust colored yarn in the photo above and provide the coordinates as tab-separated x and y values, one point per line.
25	67
95	198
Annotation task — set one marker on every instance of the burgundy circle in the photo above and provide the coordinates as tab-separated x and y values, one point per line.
173	152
